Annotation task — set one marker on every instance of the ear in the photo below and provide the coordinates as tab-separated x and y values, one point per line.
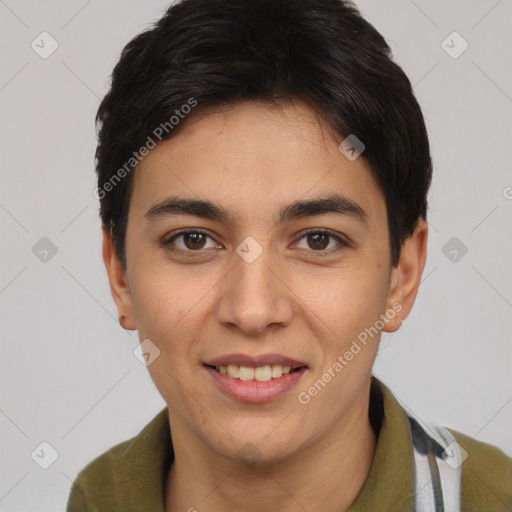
118	283
406	276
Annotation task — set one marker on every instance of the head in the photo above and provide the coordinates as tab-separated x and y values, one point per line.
234	222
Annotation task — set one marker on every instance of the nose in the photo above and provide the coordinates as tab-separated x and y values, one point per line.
254	296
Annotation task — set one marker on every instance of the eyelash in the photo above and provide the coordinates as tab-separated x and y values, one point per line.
342	243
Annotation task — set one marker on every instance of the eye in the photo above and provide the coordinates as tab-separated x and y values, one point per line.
194	241
319	239
191	241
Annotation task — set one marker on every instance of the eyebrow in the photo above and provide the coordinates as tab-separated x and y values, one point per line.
335	203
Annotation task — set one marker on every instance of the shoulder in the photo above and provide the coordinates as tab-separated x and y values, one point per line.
486	475
108	480
94	488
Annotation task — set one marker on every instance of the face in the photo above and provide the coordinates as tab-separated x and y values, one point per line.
276	260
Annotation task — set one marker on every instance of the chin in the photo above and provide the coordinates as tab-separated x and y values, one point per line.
257	452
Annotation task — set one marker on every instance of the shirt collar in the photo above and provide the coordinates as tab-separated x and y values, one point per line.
140	471
390	483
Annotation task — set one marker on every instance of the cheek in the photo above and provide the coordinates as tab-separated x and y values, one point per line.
162	308
348	299
165	314
351	311
161	295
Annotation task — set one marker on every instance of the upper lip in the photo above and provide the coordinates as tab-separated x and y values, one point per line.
255	361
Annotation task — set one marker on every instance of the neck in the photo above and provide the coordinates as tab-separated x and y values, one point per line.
327	475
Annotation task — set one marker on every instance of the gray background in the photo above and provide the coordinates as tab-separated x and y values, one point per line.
69	376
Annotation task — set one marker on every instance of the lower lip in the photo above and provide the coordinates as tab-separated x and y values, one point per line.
254	390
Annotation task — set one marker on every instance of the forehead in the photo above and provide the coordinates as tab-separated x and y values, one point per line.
252	157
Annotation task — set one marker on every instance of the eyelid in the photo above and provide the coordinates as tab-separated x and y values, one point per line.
167	240
343	241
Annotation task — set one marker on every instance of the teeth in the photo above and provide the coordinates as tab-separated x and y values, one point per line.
246	373
277	371
261	373
233	370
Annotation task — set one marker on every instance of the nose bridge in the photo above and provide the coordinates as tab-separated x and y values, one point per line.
253	297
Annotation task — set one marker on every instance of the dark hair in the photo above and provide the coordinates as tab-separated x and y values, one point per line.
222	52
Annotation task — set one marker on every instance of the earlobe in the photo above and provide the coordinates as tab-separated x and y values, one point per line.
406	276
118	283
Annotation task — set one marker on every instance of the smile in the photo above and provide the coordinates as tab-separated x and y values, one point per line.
255	384
260	373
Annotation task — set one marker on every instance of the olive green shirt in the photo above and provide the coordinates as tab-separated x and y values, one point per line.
131	476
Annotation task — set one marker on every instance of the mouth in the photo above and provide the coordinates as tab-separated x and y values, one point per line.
255	379
263	373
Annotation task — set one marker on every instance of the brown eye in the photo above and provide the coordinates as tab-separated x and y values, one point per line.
320	240
194	240
189	241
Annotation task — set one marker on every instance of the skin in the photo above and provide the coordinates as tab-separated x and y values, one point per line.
252	159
